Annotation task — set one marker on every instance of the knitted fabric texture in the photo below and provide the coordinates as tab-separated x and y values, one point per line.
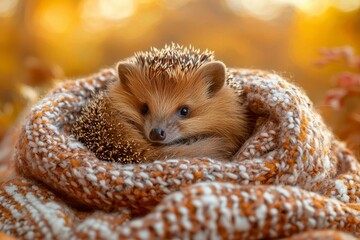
290	179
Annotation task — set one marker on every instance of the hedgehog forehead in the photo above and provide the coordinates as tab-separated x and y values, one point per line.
172	59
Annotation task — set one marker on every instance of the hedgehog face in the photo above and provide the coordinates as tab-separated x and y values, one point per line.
170	107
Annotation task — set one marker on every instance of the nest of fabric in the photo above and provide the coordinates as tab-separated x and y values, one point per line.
63	190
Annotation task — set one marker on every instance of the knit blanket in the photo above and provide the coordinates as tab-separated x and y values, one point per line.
291	178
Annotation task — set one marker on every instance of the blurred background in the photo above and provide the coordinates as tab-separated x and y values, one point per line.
42	40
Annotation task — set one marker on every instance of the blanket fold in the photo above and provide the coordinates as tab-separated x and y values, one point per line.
291	176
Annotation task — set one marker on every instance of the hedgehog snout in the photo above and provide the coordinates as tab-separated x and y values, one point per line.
157	134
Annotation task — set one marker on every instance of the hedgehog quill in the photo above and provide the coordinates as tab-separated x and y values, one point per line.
167	103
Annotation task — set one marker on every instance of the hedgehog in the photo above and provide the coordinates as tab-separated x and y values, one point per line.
167	103
104	132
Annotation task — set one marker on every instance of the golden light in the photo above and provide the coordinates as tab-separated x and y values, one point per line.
265	10
99	14
7	7
54	18
108	9
174	4
270	9
114	9
311	7
348	6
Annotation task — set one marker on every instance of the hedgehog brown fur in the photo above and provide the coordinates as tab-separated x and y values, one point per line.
101	129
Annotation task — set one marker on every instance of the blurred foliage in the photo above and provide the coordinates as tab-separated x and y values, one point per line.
344	97
44	40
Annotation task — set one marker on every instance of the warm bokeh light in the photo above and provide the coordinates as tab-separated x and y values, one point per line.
265	10
348	5
41	40
312	7
7	7
54	17
272	9
107	9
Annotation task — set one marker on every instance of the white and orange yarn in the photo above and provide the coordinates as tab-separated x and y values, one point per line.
291	179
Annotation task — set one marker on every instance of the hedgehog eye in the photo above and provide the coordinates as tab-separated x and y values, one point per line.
144	109
184	111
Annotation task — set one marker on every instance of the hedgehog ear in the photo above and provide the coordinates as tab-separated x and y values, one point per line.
213	73
124	71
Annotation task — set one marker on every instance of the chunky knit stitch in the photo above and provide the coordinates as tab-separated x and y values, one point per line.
291	178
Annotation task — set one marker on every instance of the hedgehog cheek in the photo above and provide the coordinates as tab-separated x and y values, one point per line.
213	74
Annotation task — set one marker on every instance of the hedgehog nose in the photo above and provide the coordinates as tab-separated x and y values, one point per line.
157	134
